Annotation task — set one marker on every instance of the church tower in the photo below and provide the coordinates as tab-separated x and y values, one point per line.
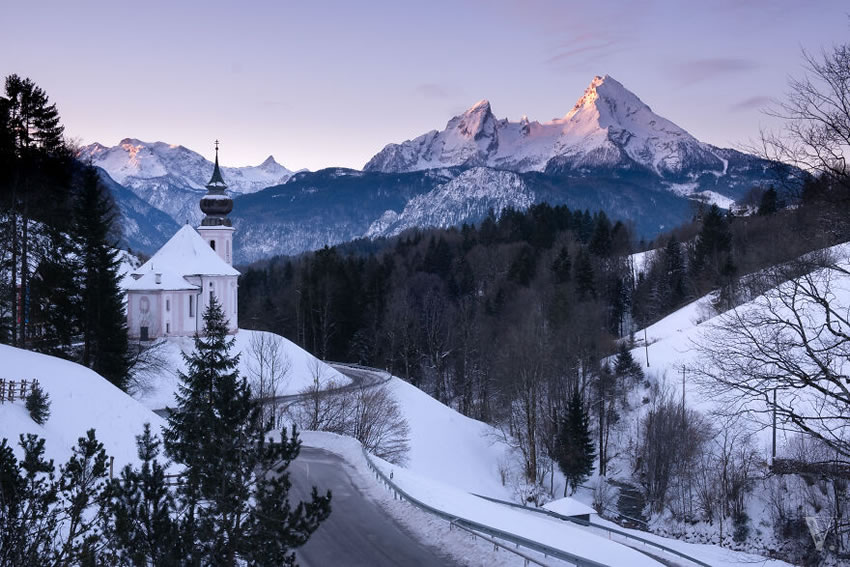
216	229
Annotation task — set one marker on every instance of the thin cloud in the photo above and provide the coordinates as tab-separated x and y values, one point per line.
432	91
702	69
752	103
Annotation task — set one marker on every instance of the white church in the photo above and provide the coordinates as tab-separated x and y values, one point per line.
168	294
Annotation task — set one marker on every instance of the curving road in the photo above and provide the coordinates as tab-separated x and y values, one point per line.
358	532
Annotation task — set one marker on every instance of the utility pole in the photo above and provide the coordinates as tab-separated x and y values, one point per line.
773	449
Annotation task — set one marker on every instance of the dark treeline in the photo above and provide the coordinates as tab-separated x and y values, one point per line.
59	290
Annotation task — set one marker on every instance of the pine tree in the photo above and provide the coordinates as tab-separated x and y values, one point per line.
38	404
103	323
575	452
626	368
234	486
142	528
28	522
34	151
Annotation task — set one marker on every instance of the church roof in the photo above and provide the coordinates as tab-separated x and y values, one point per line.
186	254
167	281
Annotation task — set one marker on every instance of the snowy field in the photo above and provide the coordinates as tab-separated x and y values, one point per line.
80	399
160	385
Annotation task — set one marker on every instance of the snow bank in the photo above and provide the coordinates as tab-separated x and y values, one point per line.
551	532
449	447
80	399
161	384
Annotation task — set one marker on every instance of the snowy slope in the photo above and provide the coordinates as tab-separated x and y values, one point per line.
608	126
466	198
161	383
80	400
171	178
449	447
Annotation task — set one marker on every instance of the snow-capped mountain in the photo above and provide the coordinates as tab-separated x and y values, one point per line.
608	127
172	177
610	152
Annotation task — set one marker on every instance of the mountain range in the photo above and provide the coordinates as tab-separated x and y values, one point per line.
609	152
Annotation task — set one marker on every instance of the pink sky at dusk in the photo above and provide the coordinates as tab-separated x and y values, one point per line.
321	83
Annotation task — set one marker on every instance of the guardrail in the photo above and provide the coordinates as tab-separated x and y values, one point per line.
587	523
469	525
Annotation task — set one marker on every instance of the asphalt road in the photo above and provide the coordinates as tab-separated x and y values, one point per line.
358	532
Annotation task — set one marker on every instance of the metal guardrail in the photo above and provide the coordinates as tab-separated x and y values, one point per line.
587	523
475	526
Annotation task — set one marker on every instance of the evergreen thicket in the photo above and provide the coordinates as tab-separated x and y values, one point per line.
227	505
58	269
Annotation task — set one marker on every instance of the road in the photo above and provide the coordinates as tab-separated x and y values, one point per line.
358	532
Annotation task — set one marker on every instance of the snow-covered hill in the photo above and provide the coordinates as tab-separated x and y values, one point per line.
80	399
608	127
171	177
160	382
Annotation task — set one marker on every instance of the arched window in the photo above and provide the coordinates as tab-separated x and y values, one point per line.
212	244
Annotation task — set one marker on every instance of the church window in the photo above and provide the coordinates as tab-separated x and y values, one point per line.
211	296
167	328
212	244
191	306
168	305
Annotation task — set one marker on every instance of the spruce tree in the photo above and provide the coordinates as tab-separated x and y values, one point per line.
575	452
104	327
142	527
38	404
234	486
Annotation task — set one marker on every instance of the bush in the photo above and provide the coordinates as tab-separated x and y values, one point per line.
38	404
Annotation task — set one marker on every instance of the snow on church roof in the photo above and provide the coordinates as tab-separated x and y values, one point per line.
186	254
167	281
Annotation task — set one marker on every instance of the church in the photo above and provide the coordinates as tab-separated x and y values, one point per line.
168	294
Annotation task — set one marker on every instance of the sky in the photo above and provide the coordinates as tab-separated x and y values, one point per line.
329	83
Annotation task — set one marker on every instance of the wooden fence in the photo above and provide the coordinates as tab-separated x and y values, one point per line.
11	390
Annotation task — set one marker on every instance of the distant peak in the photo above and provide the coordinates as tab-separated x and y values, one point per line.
269	161
602	86
482	105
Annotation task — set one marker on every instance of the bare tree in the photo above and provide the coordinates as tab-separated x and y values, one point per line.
147	363
816	115
319	409
268	366
367	413
377	422
784	358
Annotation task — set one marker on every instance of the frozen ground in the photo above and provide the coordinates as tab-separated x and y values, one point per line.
80	400
159	385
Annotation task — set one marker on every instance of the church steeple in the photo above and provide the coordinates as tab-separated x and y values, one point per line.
216	181
216	204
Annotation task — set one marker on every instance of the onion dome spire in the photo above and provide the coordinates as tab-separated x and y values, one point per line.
215	204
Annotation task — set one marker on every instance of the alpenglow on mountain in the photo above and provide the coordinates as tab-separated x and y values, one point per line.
609	126
610	152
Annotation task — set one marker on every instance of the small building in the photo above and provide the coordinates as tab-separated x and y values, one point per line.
571	507
169	293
